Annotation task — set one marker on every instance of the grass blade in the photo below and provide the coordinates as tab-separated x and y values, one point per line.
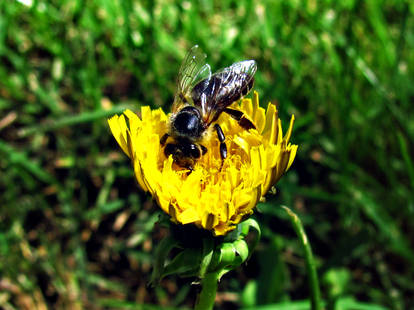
310	262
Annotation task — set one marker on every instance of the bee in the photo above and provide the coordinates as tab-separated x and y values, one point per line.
200	99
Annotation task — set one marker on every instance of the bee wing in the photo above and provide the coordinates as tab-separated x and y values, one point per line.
193	69
225	87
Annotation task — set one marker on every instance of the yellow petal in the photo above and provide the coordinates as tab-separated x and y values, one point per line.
118	127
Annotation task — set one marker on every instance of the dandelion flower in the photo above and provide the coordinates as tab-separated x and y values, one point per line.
209	197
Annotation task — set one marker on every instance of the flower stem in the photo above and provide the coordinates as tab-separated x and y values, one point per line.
310	262
205	300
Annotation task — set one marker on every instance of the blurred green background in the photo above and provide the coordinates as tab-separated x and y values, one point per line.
76	232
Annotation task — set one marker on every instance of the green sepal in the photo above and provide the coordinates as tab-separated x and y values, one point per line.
234	250
208	254
227	254
208	251
245	228
242	249
232	256
186	263
161	254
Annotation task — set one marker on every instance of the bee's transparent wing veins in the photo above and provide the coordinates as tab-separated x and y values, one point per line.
193	69
227	86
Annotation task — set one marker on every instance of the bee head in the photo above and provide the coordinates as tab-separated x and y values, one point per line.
187	122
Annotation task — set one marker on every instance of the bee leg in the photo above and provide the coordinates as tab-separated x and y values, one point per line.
164	139
190	169
243	121
223	147
170	149
203	149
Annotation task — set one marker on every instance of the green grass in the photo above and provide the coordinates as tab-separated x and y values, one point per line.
77	233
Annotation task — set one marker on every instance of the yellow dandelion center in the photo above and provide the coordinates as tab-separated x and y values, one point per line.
210	198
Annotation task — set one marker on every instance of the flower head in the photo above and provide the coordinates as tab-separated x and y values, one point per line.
212	198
